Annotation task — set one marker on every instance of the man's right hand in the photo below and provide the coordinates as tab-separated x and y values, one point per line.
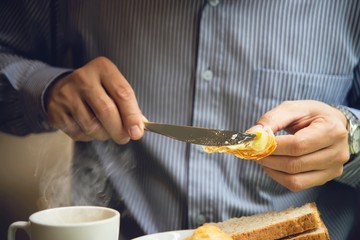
95	102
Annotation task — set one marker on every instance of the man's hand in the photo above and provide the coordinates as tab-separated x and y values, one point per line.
316	149
95	102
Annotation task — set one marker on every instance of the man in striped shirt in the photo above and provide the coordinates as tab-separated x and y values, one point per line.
218	63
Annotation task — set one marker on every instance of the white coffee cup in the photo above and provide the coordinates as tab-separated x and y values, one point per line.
70	223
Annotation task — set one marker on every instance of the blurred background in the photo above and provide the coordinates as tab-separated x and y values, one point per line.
33	170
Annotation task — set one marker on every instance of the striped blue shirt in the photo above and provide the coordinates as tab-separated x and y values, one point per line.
218	64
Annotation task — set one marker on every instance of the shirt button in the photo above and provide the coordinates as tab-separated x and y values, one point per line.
200	220
214	3
207	75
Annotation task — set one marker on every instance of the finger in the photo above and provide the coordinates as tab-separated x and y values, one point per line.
320	160
107	113
74	118
69	126
300	144
99	101
302	181
279	118
318	135
88	123
60	117
124	97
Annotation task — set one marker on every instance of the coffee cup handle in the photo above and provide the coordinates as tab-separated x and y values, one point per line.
18	225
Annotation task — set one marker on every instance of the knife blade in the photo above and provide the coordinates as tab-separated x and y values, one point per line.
200	136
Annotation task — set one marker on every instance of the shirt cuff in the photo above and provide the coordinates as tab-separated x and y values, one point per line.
355	111
351	173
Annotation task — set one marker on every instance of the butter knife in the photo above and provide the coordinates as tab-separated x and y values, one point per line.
200	136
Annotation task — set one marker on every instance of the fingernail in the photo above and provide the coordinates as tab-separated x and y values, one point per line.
135	132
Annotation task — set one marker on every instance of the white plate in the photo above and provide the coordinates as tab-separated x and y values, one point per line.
173	235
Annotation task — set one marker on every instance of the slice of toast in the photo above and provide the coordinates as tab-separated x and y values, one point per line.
273	225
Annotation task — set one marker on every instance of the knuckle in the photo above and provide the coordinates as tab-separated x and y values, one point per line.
72	128
105	106
100	134
88	125
62	94
131	119
339	132
102	61
294	184
124	93
122	140
287	104
76	135
293	166
298	146
267	117
79	75
95	131
339	157
84	82
344	156
74	131
104	64
339	171
103	137
91	127
120	136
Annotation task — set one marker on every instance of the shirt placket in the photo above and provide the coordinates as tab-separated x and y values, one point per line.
202	177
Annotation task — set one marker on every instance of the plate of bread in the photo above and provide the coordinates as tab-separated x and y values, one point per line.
293	223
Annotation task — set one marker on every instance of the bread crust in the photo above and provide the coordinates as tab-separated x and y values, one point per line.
317	236
320	233
281	229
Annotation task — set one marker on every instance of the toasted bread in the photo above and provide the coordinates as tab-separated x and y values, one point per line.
277	225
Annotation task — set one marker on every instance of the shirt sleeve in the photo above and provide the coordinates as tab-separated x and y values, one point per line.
351	171
27	63
354	94
23	84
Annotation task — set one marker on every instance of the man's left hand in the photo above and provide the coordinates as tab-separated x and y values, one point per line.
316	148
